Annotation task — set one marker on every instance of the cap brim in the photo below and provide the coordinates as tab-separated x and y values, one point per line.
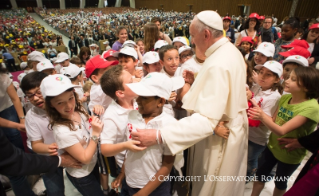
60	60
263	52
285	54
287	46
139	89
294	61
258	67
62	90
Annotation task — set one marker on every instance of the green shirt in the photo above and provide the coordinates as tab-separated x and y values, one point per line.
286	111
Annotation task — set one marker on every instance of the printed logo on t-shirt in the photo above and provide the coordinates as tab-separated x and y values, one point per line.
130	129
283	115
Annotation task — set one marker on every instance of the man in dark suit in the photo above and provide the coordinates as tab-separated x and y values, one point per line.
15	162
73	46
83	42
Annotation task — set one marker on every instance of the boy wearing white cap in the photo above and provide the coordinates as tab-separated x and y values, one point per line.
94	50
128	59
113	142
106	45
292	62
179	42
155	161
46	67
267	93
151	62
34	58
185	53
159	44
63	59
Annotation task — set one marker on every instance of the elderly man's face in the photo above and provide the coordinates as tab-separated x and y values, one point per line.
198	38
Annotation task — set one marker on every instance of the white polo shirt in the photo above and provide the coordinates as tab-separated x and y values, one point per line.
139	166
191	65
64	137
269	103
36	124
98	97
115	120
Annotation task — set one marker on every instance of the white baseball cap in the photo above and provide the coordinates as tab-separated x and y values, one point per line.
183	48
54	85
180	39
36	56
106	42
93	45
15	84
20	76
157	84
63	70
151	57
72	71
129	43
296	59
53	59
273	66
159	44
62	56
211	19
266	48
43	65
23	65
128	51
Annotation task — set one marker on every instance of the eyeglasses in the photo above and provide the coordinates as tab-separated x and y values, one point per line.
31	96
184	56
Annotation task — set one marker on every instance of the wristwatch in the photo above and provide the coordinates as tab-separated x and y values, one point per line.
95	138
22	117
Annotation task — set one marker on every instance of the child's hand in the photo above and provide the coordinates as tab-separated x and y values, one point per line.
117	182
138	73
188	76
97	125
221	130
255	76
248	93
255	113
98	110
172	97
132	145
53	149
86	94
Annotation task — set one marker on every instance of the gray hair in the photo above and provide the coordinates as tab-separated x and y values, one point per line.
200	26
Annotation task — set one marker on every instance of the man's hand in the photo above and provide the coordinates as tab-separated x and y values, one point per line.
221	130
147	137
289	143
68	161
188	77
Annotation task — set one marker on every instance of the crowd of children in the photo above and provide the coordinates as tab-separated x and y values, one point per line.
88	108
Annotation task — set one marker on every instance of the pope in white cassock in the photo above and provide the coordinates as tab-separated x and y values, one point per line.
217	94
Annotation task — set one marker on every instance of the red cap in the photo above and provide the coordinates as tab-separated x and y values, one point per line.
226	18
254	15
297	43
108	53
261	18
296	51
314	26
247	39
97	62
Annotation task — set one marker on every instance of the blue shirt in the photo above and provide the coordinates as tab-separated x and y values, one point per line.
7	56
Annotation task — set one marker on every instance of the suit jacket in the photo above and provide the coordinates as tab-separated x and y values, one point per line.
86	43
15	162
75	45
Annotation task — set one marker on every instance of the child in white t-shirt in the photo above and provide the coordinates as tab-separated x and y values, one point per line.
73	131
157	161
267	93
113	136
40	138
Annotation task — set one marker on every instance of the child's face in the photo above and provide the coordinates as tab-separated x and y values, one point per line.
288	68
313	34
122	35
148	105
128	64
96	78
266	78
155	67
246	46
141	45
35	97
170	61
64	104
259	58
85	56
291	85
287	33
49	71
127	79
185	56
177	45
65	63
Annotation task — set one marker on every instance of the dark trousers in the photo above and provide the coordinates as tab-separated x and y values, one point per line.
74	52
162	190
10	64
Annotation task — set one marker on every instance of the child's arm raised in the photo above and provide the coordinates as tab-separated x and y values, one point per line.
158	178
85	155
257	113
109	150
